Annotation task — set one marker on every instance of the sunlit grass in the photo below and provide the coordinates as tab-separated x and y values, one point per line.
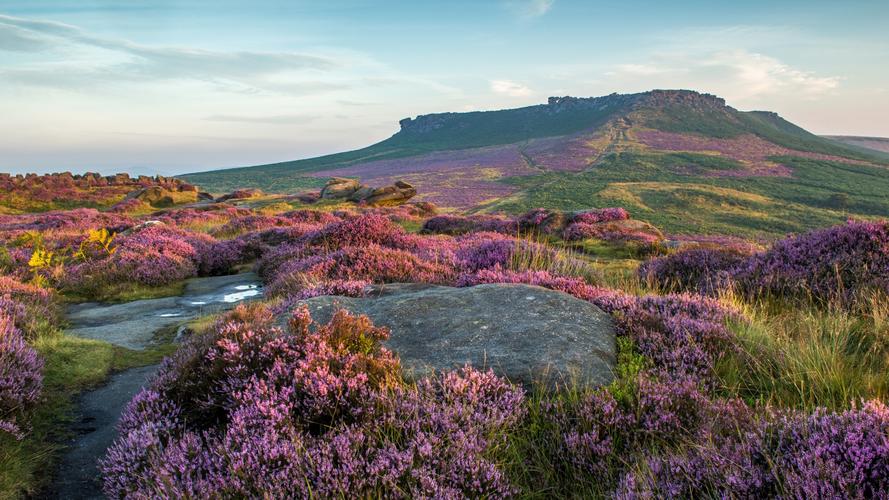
806	356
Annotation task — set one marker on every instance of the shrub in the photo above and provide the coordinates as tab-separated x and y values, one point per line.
701	270
357	230
456	224
600	215
308	412
32	309
840	263
21	379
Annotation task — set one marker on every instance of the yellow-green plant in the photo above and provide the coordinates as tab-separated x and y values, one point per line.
99	239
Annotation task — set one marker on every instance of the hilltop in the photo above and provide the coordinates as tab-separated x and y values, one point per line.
682	159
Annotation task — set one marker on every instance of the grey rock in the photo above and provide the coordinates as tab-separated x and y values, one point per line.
339	187
525	333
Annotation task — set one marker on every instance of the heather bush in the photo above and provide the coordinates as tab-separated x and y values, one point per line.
457	224
317	410
613	232
841	263
702	270
355	231
32	309
370	263
21	379
598	215
796	455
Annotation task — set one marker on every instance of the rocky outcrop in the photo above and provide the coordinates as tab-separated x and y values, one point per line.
395	194
339	187
160	197
525	333
241	194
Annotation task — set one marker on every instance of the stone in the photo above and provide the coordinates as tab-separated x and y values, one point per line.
155	196
395	194
339	187
525	333
241	194
362	193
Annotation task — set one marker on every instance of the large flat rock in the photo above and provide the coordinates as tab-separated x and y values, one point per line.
525	333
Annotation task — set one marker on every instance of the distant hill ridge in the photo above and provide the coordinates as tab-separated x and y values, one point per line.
658	151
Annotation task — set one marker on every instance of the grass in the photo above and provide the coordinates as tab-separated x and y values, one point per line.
806	356
648	185
73	365
125	292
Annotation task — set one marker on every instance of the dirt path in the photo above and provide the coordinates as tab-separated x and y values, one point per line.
132	325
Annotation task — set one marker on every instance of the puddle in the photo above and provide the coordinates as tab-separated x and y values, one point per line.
231	298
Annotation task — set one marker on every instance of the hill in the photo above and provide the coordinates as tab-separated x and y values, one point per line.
873	143
681	159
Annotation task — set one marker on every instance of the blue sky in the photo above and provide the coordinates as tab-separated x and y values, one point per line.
181	86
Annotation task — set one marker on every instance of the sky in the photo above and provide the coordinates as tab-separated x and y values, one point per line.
173	87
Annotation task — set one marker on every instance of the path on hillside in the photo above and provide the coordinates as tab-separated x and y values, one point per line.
132	325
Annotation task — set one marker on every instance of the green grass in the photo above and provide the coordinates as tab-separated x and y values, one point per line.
804	356
73	364
124	292
649	186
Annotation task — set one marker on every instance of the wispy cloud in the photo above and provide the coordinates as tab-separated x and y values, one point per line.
510	88
737	74
113	60
529	9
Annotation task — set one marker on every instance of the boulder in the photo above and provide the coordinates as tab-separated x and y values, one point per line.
204	196
362	193
395	194
339	187
525	333
155	196
241	194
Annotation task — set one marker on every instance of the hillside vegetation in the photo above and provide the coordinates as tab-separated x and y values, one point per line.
669	154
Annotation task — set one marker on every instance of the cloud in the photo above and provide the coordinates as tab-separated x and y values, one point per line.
274	119
737	74
106	60
510	88
529	9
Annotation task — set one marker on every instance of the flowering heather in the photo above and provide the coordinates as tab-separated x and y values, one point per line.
129	206
598	215
80	219
683	336
542	220
29	307
751	151
701	270
796	455
369	263
562	154
619	231
357	230
21	380
310	217
241	225
458	224
308	412
838	263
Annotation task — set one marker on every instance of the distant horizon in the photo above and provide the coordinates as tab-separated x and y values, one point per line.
184	86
